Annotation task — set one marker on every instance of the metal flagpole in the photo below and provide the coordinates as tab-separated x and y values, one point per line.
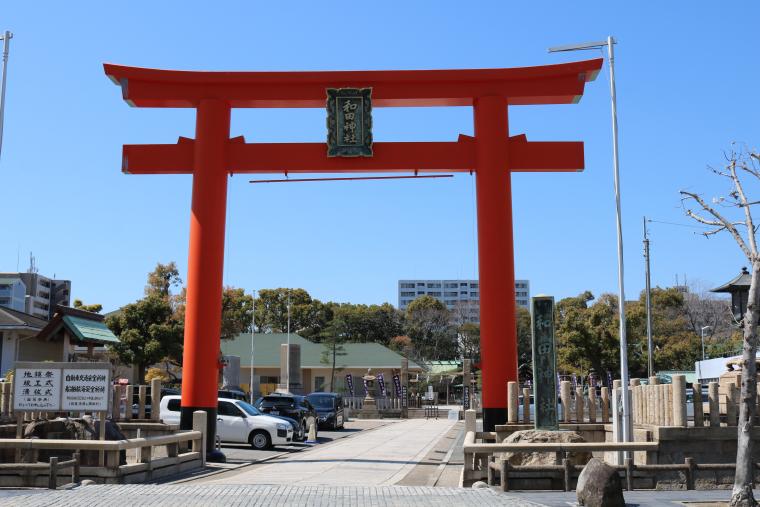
287	354
621	286
7	36
253	330
626	412
650	350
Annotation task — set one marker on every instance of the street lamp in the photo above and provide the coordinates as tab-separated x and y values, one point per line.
703	340
6	38
609	44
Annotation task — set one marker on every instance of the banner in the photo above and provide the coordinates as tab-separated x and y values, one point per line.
397	385
350	384
381	384
366	389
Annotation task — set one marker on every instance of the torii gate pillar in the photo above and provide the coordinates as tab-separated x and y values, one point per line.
498	333
205	264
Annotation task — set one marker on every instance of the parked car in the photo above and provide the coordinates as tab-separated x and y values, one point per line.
237	421
165	391
329	407
290	405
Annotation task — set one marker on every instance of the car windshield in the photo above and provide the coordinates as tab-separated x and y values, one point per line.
322	401
248	408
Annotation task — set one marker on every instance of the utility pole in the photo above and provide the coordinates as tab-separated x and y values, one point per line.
650	350
7	36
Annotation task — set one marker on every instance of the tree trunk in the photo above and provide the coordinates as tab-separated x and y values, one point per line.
332	371
743	481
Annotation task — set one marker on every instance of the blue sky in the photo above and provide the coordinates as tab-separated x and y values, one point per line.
687	79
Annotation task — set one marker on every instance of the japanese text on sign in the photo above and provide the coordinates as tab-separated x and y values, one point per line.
37	389
86	390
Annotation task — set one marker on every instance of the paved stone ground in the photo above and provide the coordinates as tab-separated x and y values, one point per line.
382	456
265	495
633	498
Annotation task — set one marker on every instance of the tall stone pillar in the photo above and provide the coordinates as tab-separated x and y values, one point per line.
290	375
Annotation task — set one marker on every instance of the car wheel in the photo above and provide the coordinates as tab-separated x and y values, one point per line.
260	440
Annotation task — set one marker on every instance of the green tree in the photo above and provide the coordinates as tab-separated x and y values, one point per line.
237	312
308	317
162	279
332	350
430	328
148	331
79	305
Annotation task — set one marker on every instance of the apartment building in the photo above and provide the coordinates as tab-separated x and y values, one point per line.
12	292
462	296
41	295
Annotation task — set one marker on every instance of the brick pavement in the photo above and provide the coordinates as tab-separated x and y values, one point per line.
264	495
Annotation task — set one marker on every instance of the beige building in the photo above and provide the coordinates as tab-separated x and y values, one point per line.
315	374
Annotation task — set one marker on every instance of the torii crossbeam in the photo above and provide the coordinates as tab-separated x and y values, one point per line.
491	154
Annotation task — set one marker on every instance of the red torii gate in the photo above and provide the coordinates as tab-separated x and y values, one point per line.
491	154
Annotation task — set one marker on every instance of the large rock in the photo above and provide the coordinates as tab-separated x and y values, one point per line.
599	486
544	458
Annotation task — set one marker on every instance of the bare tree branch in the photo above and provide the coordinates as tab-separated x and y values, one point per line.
747	212
720	221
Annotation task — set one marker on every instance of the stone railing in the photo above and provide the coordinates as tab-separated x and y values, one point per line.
652	404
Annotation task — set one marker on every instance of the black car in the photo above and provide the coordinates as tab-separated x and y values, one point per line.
329	408
232	394
290	405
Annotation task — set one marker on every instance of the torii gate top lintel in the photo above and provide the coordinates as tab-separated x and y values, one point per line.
546	84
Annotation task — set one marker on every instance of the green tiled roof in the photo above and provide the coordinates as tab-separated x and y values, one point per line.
89	330
267	352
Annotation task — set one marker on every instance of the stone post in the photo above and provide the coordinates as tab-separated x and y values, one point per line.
679	400
155	399
470	422
731	404
292	371
592	404
634	383
512	402
199	424
579	405
713	399
658	403
653	381
526	405
699	408
564	391
142	394
605	405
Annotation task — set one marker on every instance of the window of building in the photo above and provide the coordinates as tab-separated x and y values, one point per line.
450	294
420	284
5	301
407	285
43	294
408	293
463	293
474	294
420	293
451	286
434	286
5	286
434	294
45	283
319	384
474	285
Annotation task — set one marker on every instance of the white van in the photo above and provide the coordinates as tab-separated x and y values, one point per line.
237	421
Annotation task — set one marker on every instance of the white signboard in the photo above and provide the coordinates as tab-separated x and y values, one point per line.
56	387
86	390
37	389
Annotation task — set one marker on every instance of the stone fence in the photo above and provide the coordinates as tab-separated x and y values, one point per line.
652	404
